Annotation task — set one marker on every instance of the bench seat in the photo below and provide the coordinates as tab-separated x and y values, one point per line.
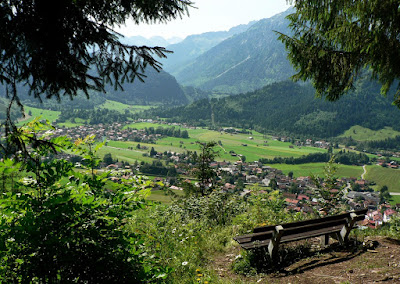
338	226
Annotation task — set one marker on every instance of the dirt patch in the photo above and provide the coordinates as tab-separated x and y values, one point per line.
378	260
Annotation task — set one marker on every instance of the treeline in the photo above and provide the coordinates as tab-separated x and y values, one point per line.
342	157
95	116
157	168
288	108
167	131
390	144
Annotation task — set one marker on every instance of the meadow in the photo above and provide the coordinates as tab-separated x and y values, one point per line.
257	145
395	199
384	176
50	115
113	105
360	133
317	169
253	146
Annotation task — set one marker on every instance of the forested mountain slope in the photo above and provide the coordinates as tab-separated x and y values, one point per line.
159	88
244	62
287	107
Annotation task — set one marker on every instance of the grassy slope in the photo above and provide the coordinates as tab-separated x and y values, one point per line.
43	113
113	105
318	169
253	151
384	176
360	133
395	199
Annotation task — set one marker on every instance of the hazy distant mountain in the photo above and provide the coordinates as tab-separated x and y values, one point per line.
153	41
243	62
158	88
195	45
287	107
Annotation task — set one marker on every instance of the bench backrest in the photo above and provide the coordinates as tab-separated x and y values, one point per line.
340	219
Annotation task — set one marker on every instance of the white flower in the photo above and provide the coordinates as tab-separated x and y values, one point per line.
184	263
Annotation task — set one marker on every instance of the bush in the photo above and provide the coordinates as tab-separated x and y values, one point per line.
69	237
53	231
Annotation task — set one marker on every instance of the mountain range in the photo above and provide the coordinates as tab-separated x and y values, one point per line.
243	62
193	46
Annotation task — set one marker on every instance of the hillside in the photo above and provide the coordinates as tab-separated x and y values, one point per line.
244	62
287	107
195	45
159	88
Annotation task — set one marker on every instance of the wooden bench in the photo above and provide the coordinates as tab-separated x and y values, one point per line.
337	226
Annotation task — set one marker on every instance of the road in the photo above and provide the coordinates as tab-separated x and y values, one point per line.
365	171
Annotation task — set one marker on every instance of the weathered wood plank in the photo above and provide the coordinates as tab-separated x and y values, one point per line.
272	236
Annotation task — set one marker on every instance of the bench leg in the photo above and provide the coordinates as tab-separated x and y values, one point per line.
274	243
325	240
345	232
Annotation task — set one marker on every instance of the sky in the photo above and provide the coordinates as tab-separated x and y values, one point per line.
210	15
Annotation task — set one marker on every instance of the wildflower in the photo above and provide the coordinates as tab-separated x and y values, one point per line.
198	270
199	275
184	263
198	279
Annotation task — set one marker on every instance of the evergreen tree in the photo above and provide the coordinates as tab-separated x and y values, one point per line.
153	152
74	48
107	159
205	173
333	41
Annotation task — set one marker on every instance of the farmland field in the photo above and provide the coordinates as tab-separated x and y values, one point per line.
395	199
257	146
318	170
384	176
36	112
113	105
360	133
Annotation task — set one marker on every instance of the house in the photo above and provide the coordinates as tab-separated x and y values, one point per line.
375	218
252	179
289	195
302	197
292	201
388	214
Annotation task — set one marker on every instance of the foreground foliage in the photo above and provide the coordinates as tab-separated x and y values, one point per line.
58	225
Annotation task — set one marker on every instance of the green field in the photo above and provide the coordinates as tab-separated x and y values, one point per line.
113	105
360	133
318	170
161	196
256	146
395	199
142	125
384	176
36	112
127	155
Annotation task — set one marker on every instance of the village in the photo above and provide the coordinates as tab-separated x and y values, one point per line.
298	193
240	177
